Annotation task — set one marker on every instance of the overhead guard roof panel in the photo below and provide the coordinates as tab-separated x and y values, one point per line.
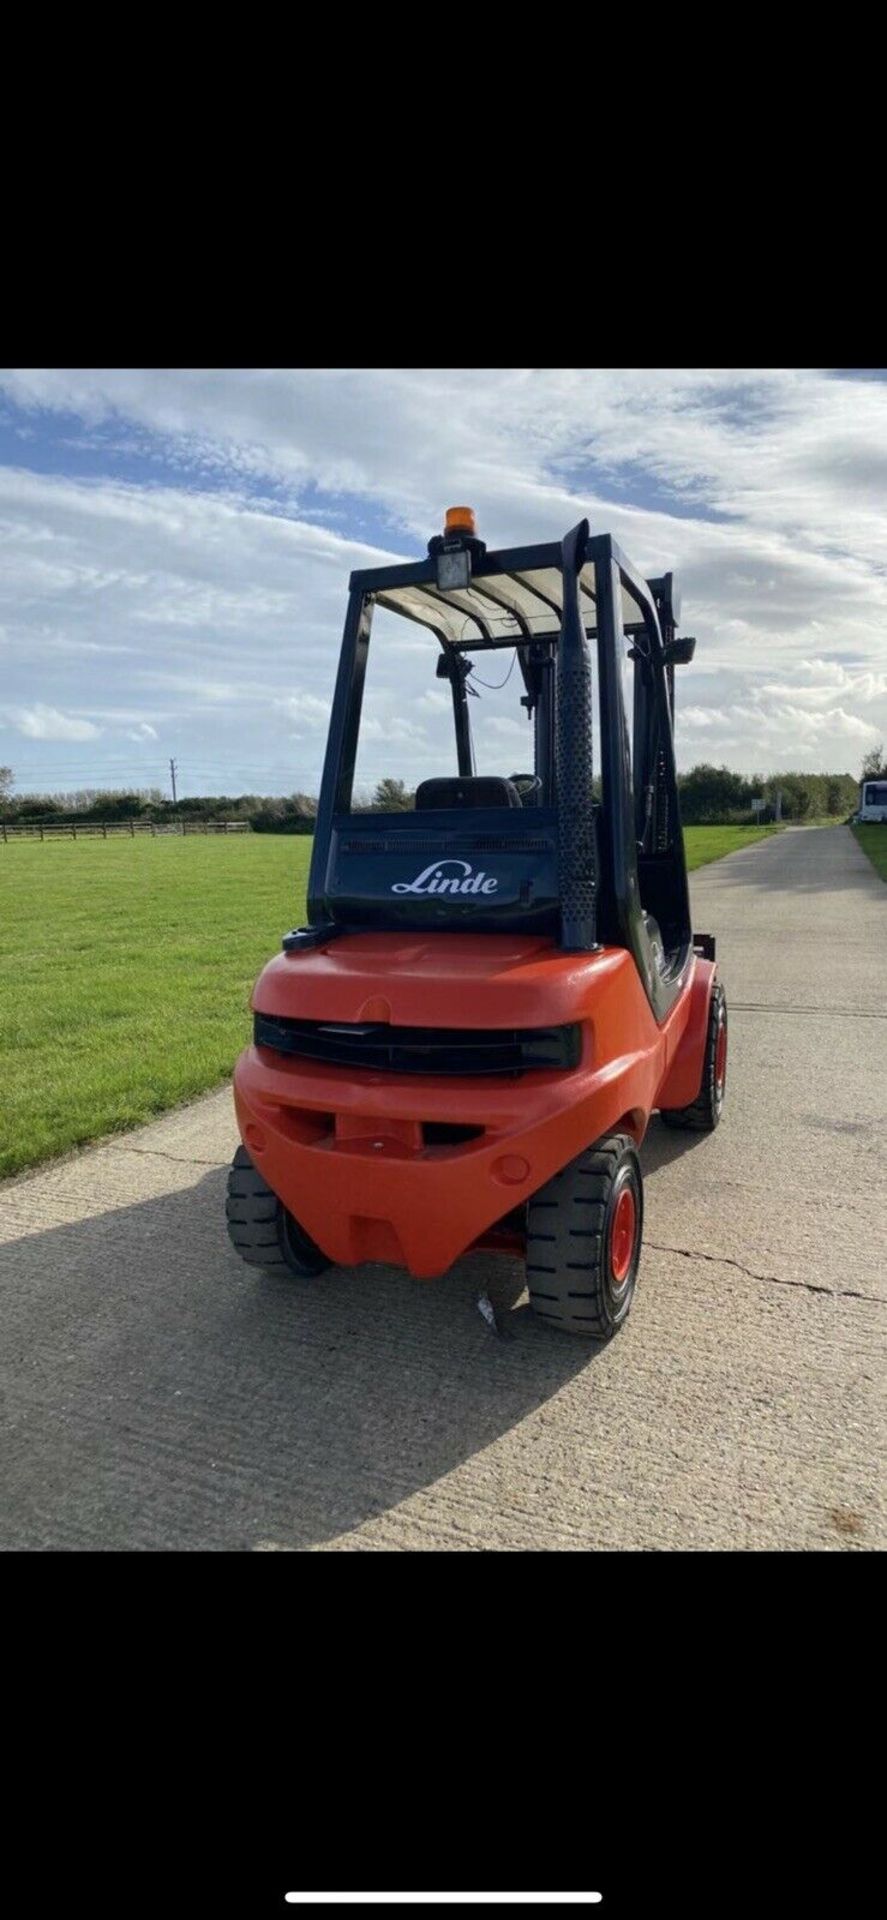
515	595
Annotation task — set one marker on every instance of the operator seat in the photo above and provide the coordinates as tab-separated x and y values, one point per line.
476	790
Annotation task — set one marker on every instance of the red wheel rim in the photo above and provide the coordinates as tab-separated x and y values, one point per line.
721	1054
622	1235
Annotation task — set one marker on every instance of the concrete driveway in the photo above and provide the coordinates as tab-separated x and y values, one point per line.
158	1395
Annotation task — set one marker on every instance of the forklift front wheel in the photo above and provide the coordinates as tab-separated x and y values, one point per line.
260	1228
704	1114
584	1240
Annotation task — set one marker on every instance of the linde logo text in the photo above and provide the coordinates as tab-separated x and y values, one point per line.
434	880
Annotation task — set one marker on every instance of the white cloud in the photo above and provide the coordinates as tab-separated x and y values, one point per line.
306	710
753	732
47	723
392	727
829	679
226	600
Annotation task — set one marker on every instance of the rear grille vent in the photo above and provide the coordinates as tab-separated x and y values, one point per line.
453	843
444	1050
440	1133
501	843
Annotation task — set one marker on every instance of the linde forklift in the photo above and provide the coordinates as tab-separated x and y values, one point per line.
496	988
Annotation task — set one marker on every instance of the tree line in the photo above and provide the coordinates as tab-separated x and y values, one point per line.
710	796
265	813
715	796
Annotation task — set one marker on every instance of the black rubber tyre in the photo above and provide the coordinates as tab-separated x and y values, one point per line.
584	1234
260	1228
706	1110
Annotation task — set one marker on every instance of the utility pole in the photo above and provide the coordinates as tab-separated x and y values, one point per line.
172	775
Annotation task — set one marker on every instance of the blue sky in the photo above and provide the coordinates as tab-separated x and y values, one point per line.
176	547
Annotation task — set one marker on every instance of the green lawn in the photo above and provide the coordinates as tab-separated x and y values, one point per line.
127	967
873	841
711	843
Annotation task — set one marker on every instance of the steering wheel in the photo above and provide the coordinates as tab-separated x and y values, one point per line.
526	783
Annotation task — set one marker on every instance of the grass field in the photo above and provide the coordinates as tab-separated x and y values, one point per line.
873	841
711	843
127	967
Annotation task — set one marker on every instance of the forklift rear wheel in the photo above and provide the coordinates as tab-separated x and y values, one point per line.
260	1228
584	1240
704	1114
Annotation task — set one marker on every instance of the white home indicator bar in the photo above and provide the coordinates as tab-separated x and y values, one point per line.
443	1899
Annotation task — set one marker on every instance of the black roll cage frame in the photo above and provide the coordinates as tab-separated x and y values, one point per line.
599	849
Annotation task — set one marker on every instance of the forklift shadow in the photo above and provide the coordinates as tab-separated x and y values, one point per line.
176	1399
662	1145
190	1402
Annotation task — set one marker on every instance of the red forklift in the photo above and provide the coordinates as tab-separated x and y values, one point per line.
497	987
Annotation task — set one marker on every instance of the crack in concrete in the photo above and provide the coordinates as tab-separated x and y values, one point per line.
775	1279
157	1153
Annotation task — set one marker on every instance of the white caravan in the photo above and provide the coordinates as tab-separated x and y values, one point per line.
873	800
